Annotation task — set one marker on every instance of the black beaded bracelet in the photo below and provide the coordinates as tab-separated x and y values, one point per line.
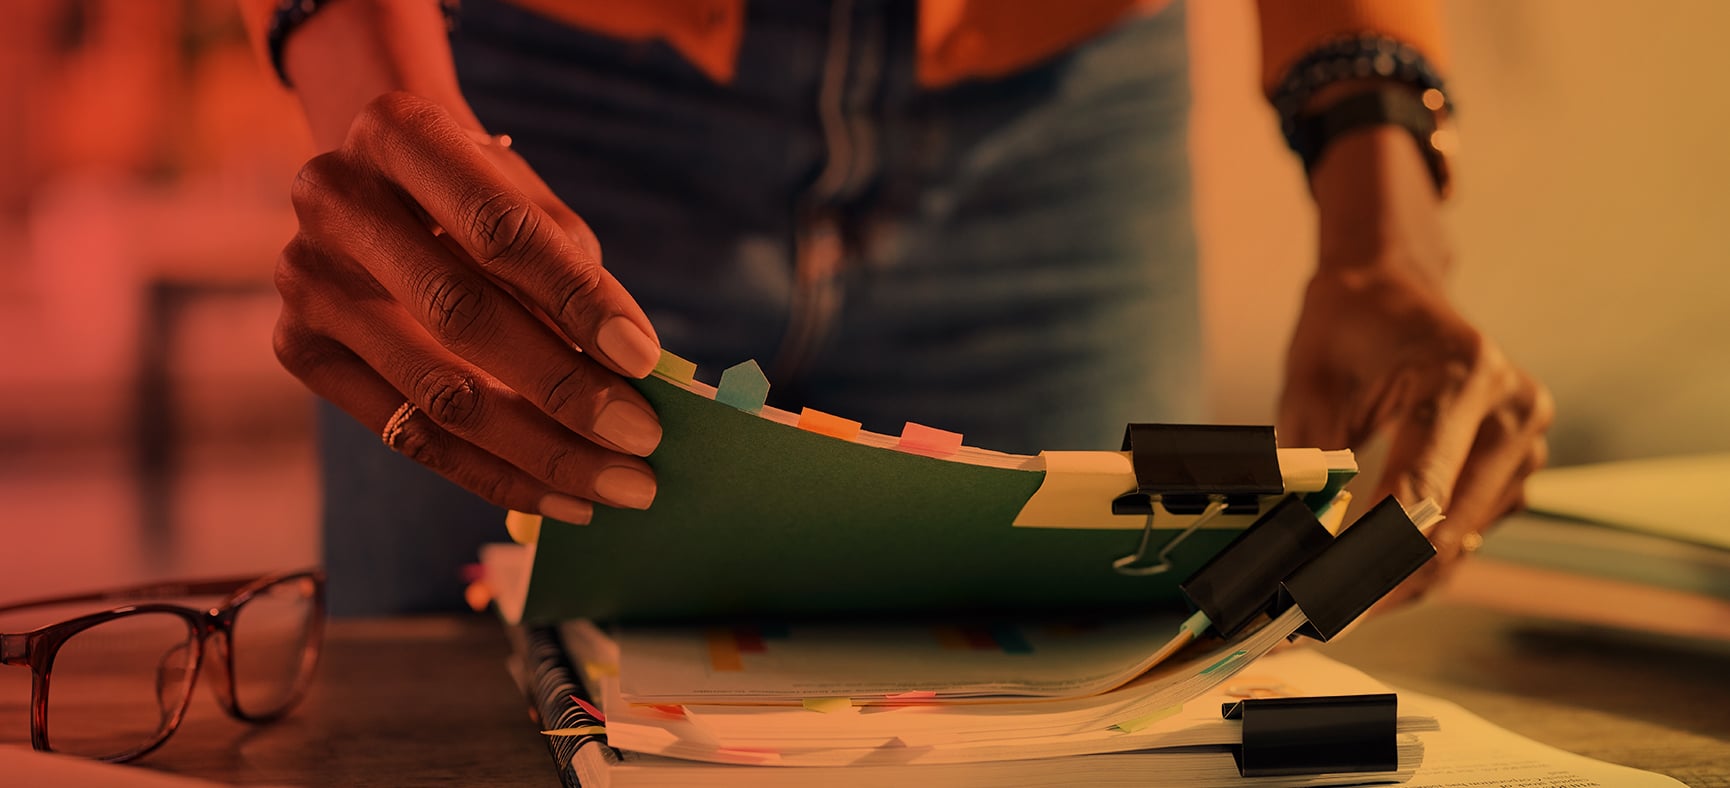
1423	110
291	14
1362	56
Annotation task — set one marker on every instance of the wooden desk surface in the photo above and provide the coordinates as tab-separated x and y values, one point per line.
428	701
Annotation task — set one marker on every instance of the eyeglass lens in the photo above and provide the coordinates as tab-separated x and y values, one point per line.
271	644
116	686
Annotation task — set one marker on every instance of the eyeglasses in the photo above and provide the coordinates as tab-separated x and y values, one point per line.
123	678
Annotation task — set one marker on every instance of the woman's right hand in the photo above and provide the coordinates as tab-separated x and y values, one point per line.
439	272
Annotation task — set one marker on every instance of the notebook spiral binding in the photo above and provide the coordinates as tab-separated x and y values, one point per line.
552	684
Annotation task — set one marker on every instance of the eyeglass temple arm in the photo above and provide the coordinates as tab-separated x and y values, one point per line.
14	650
141	593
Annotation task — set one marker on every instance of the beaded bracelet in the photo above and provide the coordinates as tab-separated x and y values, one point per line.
291	14
1361	56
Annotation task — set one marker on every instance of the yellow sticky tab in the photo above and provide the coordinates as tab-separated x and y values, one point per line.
1146	721
675	369
824	424
828	705
586	730
524	528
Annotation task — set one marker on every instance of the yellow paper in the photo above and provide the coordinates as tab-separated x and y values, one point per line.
828	705
1146	720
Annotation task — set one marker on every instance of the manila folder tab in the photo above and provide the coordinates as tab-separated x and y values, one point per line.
1078	489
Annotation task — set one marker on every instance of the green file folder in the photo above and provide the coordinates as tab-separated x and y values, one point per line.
759	518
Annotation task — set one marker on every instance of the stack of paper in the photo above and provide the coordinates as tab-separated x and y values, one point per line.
786	535
1029	730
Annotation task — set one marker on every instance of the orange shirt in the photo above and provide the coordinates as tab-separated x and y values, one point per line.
961	39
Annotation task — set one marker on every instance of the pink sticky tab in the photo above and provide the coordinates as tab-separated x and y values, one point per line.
929	441
824	424
588	707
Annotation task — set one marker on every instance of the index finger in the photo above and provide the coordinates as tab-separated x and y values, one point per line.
419	147
1433	436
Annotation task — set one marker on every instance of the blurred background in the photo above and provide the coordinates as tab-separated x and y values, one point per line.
145	157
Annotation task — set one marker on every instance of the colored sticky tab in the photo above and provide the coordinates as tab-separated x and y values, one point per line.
828	705
1147	720
590	708
1223	661
600	669
586	730
675	369
524	528
744	386
824	424
929	441
478	596
1196	624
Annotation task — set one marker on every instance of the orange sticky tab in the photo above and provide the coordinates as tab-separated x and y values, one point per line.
478	595
824	424
675	369
929	441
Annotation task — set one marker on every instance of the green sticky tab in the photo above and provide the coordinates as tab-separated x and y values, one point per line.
1224	661
744	386
675	369
1147	720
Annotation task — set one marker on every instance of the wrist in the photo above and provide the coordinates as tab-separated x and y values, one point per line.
1377	206
353	51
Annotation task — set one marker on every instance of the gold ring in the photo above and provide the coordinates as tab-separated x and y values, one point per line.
398	420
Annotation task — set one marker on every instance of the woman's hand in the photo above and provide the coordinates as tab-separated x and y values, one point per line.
1378	348
437	271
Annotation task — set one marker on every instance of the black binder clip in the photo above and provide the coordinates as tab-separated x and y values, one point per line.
1194	469
1243	580
1381	549
1322	735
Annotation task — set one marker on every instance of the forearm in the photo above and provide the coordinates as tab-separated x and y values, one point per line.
352	51
1376	206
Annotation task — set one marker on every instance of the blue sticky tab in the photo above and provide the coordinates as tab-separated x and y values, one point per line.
744	386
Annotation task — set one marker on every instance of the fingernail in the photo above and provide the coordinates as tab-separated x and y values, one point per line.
629	426
625	486
621	341
564	508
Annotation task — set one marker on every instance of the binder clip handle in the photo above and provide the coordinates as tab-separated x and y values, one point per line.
1126	565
